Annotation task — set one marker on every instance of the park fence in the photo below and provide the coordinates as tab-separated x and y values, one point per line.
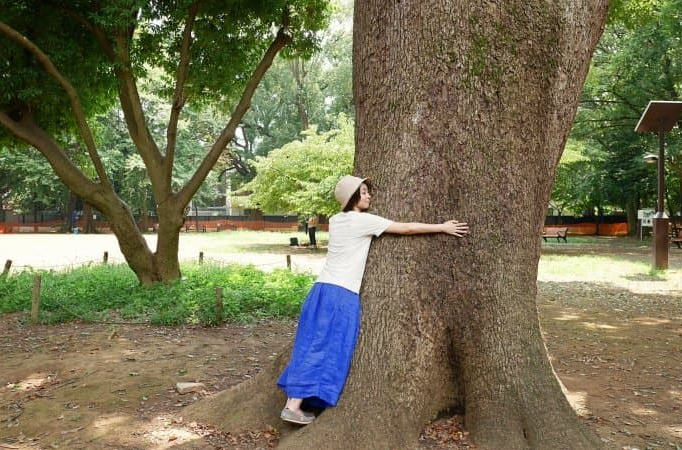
191	223
584	226
607	225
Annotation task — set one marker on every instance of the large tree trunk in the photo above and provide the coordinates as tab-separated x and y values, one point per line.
462	108
473	117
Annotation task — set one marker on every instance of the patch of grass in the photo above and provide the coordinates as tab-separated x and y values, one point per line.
111	292
588	266
621	270
252	241
657	274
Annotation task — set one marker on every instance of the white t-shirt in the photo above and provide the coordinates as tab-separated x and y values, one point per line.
350	234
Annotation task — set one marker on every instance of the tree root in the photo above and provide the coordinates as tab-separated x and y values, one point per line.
351	427
520	420
252	405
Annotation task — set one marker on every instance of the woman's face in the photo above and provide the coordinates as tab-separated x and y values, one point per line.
365	197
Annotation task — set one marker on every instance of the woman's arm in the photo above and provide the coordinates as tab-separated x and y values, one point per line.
452	227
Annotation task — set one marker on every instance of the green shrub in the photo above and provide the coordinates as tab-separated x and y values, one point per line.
112	293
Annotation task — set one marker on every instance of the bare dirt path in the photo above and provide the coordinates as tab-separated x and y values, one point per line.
617	350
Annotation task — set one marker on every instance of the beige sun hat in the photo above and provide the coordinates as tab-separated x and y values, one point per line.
346	187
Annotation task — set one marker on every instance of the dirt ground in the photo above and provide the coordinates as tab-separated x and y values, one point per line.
82	386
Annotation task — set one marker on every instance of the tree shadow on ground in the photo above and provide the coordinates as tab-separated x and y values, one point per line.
618	353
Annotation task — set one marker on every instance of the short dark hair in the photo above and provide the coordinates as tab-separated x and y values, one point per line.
353	200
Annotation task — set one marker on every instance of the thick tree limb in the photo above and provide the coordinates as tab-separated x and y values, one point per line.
72	176
134	114
179	96
242	107
128	94
76	106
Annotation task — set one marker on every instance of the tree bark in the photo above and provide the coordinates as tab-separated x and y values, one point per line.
87	218
473	117
462	108
298	71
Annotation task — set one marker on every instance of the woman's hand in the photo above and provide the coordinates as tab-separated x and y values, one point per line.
455	228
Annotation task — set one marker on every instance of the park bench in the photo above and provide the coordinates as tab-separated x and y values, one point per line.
677	240
553	232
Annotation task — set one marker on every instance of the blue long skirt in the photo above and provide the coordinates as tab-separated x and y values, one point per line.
323	349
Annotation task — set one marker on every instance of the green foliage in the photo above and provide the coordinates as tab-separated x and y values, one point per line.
27	180
633	64
126	167
230	38
24	84
574	151
300	177
105	293
298	92
633	13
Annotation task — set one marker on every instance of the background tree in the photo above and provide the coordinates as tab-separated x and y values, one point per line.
300	177
296	94
569	192
462	108
27	183
637	60
127	170
61	57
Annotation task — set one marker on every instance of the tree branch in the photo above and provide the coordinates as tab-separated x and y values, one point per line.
131	105
236	143
601	102
632	107
179	95
128	94
76	106
282	39
97	32
70	174
261	129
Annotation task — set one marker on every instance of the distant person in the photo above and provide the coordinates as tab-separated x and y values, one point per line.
330	318
74	220
312	228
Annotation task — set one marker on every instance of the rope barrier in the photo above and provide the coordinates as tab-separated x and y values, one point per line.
284	262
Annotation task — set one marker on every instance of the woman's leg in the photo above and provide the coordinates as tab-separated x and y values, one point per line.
294	404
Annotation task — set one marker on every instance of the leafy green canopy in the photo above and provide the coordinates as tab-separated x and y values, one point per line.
230	37
632	65
24	85
300	176
634	13
26	181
